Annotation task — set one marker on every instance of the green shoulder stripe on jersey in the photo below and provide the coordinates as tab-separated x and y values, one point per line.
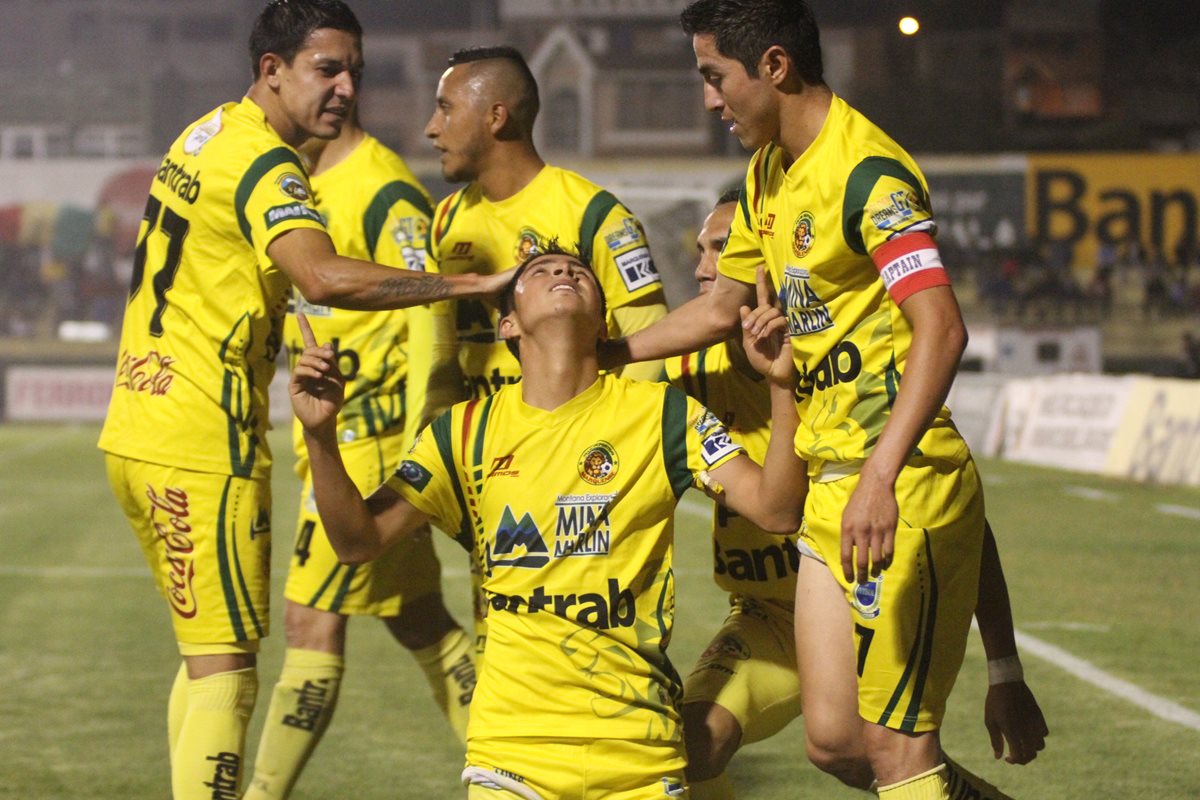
674	440
440	428
480	427
377	212
858	190
261	166
443	225
223	568
744	205
593	217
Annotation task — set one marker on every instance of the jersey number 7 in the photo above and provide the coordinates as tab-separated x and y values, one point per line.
175	228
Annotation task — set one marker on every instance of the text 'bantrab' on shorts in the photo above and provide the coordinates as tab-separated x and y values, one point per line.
533	768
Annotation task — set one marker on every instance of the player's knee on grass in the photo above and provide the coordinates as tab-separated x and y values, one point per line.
711	736
421	622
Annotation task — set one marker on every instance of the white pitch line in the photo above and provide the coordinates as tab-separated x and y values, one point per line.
1085	671
1089	493
1178	511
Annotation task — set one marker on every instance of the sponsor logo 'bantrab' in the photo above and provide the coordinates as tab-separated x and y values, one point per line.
227	770
616	610
179	181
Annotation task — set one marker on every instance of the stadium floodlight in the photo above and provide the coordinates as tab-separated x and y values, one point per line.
909	25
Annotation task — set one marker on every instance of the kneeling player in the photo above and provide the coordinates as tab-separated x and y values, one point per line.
563	486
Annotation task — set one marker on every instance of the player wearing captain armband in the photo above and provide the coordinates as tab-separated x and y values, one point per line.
564	488
839	216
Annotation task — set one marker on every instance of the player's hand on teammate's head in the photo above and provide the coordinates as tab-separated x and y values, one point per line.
1012	714
317	388
494	285
764	335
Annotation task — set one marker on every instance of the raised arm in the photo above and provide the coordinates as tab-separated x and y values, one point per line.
309	260
771	497
358	529
1011	712
702	321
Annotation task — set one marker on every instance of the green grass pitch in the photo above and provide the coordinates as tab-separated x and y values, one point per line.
1105	570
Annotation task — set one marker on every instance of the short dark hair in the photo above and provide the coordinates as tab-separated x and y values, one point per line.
745	29
508	298
284	26
528	103
730	195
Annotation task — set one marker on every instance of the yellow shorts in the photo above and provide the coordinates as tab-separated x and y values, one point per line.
574	769
207	541
408	571
910	623
750	668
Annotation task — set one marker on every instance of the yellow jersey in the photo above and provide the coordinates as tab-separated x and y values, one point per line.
376	210
747	560
822	226
204	321
473	234
569	515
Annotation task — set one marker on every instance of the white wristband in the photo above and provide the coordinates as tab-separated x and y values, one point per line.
1005	670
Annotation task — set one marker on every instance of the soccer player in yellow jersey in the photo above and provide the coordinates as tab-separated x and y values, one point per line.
565	484
376	210
230	227
482	125
745	686
839	216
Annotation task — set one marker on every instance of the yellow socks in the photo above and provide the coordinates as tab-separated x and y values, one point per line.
206	761
177	707
929	785
302	704
965	785
450	670
718	788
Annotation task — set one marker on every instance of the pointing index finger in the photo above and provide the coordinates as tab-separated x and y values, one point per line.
306	331
763	286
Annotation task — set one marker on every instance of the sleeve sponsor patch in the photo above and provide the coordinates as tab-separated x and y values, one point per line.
896	211
637	268
629	234
414	475
717	445
908	264
291	211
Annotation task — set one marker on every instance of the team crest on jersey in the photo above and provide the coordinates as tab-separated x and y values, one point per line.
599	463
200	134
293	186
802	234
529	242
867	596
517	543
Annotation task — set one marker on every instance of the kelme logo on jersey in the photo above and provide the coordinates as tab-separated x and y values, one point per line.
802	234
806	311
279	214
517	544
616	610
414	474
599	463
867	596
293	186
528	243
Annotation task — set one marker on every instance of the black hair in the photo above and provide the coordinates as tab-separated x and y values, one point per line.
508	298
527	101
730	195
284	26
745	29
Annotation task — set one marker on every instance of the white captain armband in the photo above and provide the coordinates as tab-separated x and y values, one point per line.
908	264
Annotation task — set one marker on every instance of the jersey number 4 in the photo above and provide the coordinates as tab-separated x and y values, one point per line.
175	228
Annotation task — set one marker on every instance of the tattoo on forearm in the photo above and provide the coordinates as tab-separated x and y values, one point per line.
432	287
